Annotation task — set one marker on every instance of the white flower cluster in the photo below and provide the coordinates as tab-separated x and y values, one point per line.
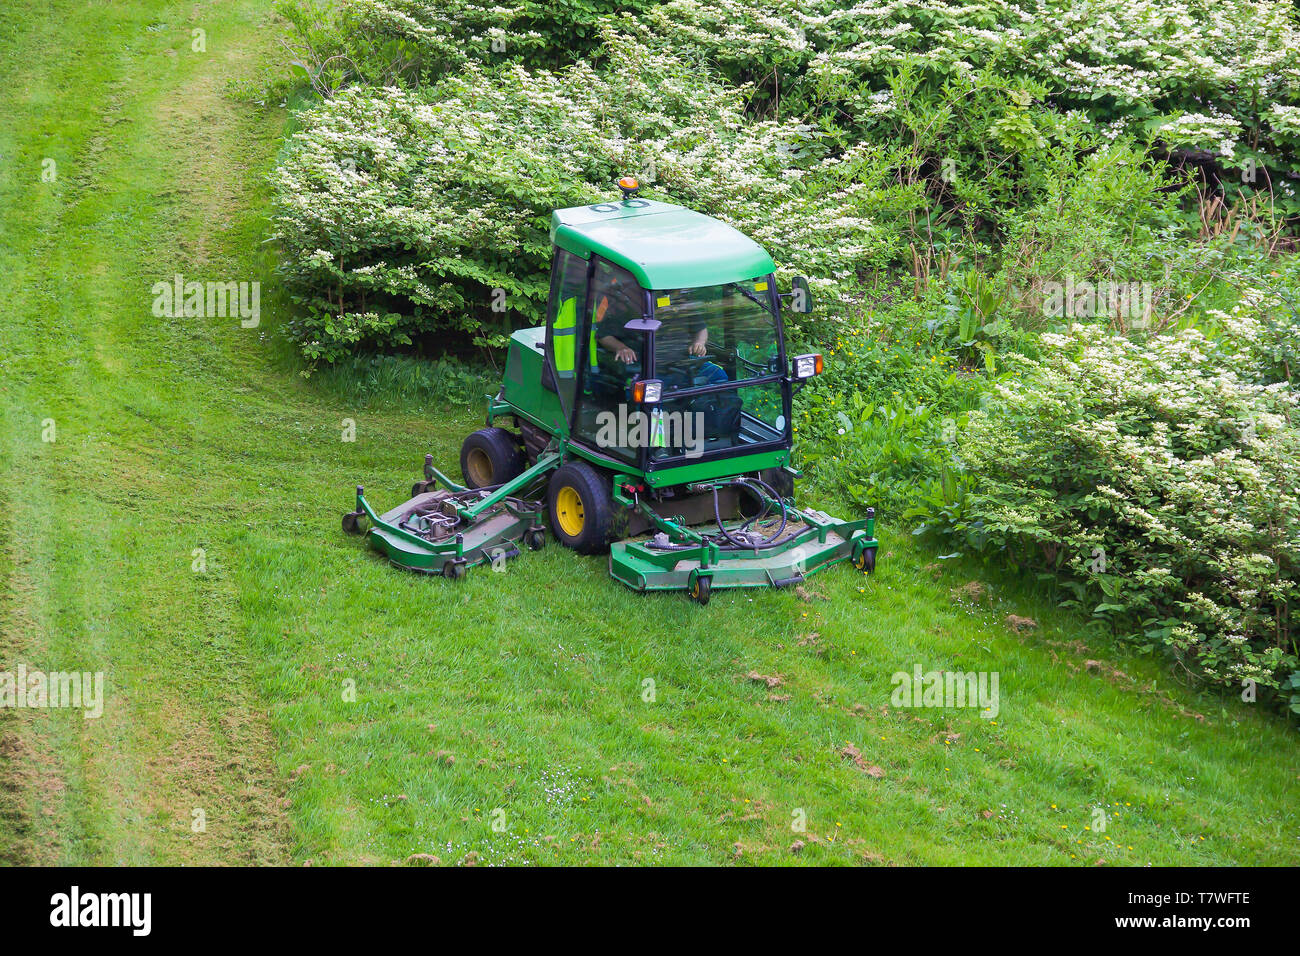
1173	462
1197	129
1285	119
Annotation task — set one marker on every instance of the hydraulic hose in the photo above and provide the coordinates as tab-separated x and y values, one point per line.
772	540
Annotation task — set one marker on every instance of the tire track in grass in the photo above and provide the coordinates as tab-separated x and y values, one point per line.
41	64
100	524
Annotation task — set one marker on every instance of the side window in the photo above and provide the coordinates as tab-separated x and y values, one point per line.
568	294
616	299
614	358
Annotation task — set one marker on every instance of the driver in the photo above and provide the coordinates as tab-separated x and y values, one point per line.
681	336
698	345
618	304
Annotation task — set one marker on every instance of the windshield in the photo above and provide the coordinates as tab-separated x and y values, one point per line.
715	334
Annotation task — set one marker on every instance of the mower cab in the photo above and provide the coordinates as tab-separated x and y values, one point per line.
656	398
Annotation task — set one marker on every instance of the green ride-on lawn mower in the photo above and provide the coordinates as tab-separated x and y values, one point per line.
652	414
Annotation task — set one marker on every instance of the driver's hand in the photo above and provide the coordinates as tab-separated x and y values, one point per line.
697	349
625	355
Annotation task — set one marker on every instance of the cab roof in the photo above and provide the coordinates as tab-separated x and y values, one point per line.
662	245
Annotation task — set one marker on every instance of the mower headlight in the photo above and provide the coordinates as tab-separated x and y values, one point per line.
806	366
648	392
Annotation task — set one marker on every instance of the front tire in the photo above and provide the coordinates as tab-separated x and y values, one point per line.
581	508
490	456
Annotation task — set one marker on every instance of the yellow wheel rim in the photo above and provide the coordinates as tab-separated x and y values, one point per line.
568	512
479	467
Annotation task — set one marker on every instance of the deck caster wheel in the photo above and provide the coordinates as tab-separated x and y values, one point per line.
419	488
352	523
865	560
456	570
535	538
700	589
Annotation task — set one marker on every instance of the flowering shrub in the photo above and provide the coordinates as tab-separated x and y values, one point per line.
414	42
988	96
403	212
1205	69
1161	481
932	131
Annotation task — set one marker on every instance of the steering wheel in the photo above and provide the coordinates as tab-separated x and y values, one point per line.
690	366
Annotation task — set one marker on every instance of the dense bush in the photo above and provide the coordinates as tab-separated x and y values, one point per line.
412	43
1161	481
922	136
878	423
1219	77
401	212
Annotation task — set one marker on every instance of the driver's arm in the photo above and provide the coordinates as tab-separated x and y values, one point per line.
621	351
700	342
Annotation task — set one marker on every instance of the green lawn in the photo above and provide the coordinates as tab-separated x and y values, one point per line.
517	698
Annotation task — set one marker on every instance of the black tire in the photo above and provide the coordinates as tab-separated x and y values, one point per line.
352	523
583	525
535	539
865	560
490	456
701	590
455	570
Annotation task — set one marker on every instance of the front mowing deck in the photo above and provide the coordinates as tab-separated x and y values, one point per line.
813	543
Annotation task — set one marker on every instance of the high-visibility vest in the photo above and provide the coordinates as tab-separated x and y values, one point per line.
564	339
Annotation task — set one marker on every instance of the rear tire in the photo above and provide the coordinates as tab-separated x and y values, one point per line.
490	456
581	508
